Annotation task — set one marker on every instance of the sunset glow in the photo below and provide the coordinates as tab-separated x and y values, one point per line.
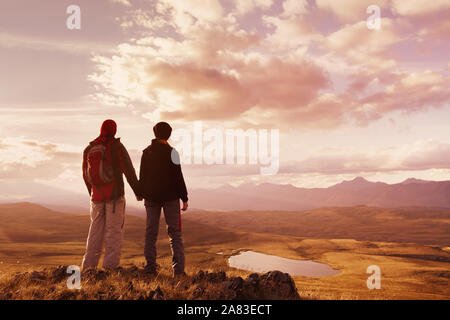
348	101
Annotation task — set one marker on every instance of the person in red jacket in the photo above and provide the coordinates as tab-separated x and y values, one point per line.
105	160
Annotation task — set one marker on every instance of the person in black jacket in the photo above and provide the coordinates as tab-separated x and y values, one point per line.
162	185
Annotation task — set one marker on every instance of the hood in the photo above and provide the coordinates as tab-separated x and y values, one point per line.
108	129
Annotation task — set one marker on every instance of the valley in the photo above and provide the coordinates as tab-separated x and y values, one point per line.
33	238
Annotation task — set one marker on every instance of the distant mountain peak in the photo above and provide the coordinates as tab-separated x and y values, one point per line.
414	180
360	179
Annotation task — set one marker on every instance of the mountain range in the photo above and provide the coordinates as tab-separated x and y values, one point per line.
359	191
266	196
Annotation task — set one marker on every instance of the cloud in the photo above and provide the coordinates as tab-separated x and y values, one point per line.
435	29
290	32
428	154
368	50
244	7
186	13
124	2
151	19
340	163
85	47
419	7
203	93
426	78
28	160
207	66
213	74
422	155
418	156
359	38
326	111
349	10
295	7
412	92
124	79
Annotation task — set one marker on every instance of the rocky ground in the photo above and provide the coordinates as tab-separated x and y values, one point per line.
132	283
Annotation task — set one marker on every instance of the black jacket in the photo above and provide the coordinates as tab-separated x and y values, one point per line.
160	179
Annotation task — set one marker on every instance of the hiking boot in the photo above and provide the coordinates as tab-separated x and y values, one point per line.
150	271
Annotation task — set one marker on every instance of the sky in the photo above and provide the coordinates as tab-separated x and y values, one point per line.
346	99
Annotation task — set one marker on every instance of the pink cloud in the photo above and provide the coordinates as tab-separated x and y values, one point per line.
419	7
211	68
295	7
211	94
244	7
431	155
349	10
418	156
413	92
291	31
28	159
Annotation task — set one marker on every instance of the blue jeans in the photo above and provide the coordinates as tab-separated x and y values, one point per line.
172	217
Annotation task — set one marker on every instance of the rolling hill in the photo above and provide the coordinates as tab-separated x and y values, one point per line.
414	225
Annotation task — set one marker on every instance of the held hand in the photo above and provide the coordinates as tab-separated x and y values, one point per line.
185	206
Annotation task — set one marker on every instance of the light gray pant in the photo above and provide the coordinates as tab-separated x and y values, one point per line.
173	221
106	229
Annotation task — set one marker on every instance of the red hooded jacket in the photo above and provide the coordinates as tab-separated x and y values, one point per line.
121	164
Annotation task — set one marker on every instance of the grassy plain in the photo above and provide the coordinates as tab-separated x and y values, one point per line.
34	238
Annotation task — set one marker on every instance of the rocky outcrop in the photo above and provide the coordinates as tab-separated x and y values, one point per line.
133	283
271	285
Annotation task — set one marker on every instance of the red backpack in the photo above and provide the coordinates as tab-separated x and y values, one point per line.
99	170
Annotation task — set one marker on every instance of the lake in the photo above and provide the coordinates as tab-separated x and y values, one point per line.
260	262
